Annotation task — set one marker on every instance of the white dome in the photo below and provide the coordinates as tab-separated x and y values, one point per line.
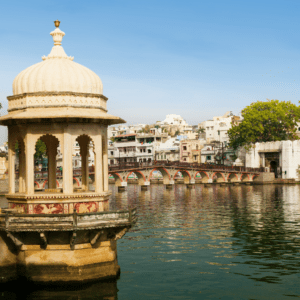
57	73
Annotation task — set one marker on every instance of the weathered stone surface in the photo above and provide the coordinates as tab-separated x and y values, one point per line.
60	264
8	259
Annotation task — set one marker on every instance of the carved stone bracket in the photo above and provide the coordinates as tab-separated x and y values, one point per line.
44	242
72	240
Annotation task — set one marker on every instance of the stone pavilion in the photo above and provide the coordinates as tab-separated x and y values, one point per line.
60	234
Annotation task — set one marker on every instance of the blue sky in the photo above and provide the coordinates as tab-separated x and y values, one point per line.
198	59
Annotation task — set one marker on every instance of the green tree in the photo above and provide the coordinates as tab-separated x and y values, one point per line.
40	149
177	132
272	120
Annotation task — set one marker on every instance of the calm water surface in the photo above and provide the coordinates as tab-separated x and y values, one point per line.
233	242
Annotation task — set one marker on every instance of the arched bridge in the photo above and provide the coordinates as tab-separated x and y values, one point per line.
208	173
205	173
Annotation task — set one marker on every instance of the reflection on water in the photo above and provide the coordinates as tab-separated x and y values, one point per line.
231	242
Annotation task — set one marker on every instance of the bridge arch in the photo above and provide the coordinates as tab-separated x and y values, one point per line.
232	177
76	180
186	175
141	177
204	176
118	178
245	177
255	177
219	177
164	172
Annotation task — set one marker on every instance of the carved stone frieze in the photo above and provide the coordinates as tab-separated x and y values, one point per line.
50	99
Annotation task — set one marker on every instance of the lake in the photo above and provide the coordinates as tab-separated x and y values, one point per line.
232	242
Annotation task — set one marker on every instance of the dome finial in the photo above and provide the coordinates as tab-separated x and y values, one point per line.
56	23
57	34
57	51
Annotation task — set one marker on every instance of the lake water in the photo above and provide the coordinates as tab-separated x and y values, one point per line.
232	242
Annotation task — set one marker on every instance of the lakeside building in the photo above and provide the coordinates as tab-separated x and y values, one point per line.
217	153
216	129
139	147
169	150
281	157
190	151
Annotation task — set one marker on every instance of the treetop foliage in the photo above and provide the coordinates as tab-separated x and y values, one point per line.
272	120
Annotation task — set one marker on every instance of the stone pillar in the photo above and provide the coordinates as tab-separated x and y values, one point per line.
145	186
123	187
105	161
22	168
98	165
52	151
67	163
29	150
11	168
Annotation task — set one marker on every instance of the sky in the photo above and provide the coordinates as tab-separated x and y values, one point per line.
198	59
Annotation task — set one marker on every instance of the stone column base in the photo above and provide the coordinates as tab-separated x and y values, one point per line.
122	188
58	263
190	186
169	186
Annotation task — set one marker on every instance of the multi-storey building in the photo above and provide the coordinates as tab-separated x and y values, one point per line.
147	143
125	148
216	129
168	150
190	151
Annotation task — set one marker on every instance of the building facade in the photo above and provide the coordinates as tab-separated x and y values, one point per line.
190	151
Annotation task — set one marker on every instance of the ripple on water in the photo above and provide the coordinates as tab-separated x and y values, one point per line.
233	242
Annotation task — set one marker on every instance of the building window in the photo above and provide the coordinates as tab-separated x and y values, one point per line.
184	148
111	152
208	157
149	150
184	159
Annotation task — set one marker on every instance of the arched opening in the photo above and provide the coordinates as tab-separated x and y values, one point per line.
83	162
117	178
185	175
218	177
140	176
19	166
245	178
232	177
46	173
165	174
203	176
156	176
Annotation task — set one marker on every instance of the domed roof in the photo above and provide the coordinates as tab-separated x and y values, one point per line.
57	73
57	90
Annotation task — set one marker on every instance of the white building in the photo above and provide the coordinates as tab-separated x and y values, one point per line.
281	157
174	120
168	150
216	129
